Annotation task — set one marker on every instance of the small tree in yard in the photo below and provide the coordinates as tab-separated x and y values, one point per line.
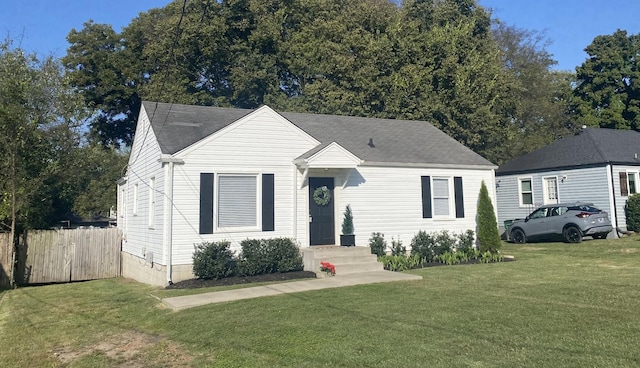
488	235
632	212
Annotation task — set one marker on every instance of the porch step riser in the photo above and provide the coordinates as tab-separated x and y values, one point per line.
346	260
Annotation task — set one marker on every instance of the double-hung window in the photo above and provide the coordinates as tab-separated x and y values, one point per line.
441	197
525	190
152	202
632	177
628	183
237	201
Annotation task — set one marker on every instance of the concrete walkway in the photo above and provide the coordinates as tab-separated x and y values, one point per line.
374	277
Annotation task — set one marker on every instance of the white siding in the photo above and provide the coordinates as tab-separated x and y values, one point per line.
389	200
333	156
620	200
585	184
139	238
262	144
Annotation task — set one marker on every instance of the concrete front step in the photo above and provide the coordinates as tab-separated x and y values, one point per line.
347	260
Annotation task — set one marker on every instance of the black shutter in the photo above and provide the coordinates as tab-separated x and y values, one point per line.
624	188
206	203
426	197
457	186
268	208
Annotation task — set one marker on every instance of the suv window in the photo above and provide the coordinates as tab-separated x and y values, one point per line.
539	213
584	208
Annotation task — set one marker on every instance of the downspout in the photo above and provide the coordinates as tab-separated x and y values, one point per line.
612	201
168	211
295	202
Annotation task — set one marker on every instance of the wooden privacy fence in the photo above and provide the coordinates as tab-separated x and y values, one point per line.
5	260
69	255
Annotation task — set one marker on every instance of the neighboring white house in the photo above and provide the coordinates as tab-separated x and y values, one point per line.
201	174
595	165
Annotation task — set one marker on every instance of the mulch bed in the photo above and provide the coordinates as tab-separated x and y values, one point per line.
235	280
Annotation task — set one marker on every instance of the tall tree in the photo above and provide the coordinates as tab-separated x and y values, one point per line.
37	116
608	91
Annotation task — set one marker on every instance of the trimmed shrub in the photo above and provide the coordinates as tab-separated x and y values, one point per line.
444	242
397	249
262	256
377	244
465	240
213	260
423	245
632	212
488	235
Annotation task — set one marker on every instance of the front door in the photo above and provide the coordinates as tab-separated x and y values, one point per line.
550	190
321	217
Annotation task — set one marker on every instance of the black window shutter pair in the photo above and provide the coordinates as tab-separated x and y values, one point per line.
206	203
427	210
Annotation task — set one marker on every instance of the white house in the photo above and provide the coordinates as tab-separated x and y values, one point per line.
595	165
201	174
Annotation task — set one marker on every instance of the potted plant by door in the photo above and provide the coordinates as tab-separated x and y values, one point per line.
347	239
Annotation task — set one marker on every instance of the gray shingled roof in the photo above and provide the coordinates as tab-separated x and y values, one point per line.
589	147
395	141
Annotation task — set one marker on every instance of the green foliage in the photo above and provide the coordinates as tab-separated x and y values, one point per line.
347	221
263	256
450	258
466	240
608	94
213	260
397	249
632	212
488	235
490	257
399	263
423	245
377	244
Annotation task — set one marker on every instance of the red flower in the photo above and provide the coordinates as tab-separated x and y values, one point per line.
328	267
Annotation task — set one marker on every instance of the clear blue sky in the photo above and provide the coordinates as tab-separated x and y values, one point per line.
571	25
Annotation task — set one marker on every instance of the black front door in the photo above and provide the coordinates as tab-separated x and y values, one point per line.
321	218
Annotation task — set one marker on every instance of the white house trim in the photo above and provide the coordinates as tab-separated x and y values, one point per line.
333	156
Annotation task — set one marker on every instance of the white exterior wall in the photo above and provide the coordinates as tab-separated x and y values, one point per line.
584	184
389	200
620	200
262	143
138	237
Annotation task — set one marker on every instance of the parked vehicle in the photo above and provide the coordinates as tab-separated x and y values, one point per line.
568	221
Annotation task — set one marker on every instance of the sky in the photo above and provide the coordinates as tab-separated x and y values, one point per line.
41	26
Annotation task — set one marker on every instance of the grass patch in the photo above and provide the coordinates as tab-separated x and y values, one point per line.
558	305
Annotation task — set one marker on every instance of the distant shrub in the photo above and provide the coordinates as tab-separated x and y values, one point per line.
632	212
263	256
213	260
466	240
397	249
423	245
377	244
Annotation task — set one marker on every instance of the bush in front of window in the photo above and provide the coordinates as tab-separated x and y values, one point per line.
213	260
488	235
264	256
377	244
423	244
632	212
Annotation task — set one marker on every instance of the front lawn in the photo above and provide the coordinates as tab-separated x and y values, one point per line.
558	305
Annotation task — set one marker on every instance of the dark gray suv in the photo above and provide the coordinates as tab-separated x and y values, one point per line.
568	221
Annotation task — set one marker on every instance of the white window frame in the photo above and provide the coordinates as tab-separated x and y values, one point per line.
635	177
520	192
545	190
135	199
450	198
216	211
152	202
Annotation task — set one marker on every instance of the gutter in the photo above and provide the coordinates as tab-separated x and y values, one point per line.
167	226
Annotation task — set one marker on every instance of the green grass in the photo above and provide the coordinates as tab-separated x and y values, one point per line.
558	305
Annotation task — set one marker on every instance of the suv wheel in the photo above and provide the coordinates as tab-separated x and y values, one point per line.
572	235
518	236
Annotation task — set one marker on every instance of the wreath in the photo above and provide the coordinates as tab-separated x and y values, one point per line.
322	196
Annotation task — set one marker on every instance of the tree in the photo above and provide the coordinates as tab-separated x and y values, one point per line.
608	90
38	125
488	235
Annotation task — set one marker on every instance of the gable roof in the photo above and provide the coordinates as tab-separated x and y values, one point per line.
588	147
394	141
